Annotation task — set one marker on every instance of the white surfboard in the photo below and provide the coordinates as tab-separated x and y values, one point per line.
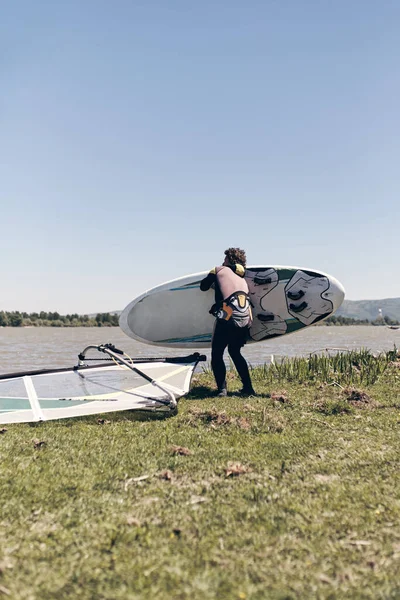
284	299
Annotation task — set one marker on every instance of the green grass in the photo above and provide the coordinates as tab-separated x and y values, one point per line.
291	494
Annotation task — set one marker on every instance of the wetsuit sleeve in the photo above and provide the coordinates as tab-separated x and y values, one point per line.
207	282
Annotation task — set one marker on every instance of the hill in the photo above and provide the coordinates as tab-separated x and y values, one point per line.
369	309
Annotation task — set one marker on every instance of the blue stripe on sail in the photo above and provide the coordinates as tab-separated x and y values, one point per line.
12	404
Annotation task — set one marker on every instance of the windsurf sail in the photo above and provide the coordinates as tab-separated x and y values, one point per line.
118	383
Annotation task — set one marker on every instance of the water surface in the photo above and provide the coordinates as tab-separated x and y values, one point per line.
26	348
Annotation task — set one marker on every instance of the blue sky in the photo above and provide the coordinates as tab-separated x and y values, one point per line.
139	139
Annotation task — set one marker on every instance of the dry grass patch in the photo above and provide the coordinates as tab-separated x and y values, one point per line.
215	418
281	397
210	417
243	423
234	469
180	450
166	475
359	398
38	443
332	406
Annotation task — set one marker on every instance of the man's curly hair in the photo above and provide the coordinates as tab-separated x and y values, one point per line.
236	256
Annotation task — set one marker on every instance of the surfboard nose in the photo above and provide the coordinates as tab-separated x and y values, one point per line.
336	293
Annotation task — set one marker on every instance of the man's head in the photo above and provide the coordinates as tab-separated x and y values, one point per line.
235	256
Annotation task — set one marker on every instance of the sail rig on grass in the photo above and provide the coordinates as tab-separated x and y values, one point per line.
118	383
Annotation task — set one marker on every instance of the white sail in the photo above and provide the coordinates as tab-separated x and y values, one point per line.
147	384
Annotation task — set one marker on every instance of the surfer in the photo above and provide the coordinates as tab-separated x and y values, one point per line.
232	311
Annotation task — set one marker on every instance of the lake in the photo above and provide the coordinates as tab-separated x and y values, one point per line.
28	348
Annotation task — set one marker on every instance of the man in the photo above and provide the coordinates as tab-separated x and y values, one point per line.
232	311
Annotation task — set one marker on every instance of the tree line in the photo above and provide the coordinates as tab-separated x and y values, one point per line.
339	320
54	319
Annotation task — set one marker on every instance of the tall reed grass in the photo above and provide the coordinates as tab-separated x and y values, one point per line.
344	368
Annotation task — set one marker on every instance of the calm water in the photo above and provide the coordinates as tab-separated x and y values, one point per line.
33	348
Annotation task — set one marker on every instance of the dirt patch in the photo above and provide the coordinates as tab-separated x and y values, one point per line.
234	469
216	418
333	407
359	398
326	479
274	423
244	423
180	450
281	397
39	443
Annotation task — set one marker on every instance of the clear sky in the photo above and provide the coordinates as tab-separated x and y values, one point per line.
140	138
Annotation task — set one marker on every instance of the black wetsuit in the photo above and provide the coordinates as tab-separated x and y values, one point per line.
226	333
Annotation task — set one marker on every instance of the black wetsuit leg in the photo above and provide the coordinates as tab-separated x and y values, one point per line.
220	341
236	342
226	334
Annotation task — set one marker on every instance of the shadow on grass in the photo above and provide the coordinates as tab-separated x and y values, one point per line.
108	418
143	415
200	392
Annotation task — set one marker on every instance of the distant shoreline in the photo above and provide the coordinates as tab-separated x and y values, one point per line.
97	326
53	326
54	319
49	319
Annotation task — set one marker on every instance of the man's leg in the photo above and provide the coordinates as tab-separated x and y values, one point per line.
219	343
236	342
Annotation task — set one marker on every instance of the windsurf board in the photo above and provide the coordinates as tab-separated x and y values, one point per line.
284	300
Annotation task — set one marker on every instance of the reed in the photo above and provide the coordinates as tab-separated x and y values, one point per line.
344	368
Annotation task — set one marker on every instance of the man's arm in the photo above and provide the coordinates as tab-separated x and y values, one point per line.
207	282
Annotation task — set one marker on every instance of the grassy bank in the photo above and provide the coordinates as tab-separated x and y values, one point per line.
291	494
